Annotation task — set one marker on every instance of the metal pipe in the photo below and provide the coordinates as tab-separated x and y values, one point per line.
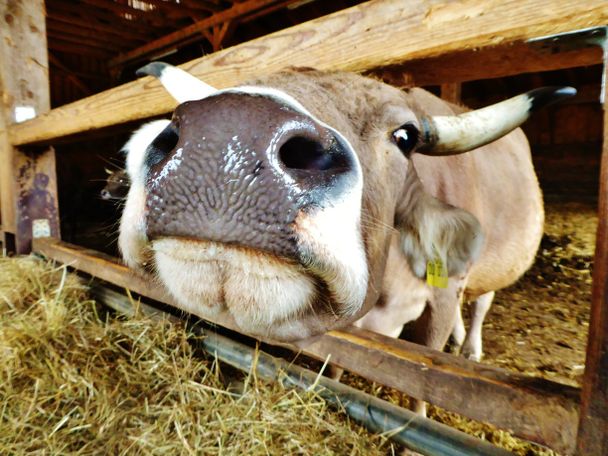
405	427
402	426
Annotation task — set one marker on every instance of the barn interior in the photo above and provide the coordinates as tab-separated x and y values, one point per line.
98	44
538	326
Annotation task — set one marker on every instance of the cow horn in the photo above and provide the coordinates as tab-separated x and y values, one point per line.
181	85
451	135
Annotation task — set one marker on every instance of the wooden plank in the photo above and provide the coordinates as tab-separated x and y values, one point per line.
24	83
379	416
70	47
536	409
367	36
452	92
75	33
71	21
54	61
492	62
117	10
7	190
593	431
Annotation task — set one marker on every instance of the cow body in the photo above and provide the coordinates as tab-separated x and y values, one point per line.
355	221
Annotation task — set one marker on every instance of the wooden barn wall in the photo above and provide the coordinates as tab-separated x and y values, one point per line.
566	143
566	139
73	77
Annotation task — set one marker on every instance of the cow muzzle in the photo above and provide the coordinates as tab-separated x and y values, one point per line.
250	207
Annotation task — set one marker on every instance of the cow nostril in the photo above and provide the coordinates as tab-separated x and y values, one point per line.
162	145
307	154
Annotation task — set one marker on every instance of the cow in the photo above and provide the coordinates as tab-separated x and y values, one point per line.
117	185
307	200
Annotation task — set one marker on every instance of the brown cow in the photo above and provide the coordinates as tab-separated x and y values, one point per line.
306	201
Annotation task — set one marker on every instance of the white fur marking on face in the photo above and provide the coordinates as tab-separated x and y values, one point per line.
137	145
257	290
132	239
332	239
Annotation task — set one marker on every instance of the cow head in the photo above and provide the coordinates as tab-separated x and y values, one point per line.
273	204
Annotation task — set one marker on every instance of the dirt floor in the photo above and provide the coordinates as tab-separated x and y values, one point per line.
539	325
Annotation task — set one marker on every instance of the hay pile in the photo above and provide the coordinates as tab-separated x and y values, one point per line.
76	380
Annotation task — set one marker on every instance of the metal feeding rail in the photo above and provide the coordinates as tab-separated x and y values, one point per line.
402	426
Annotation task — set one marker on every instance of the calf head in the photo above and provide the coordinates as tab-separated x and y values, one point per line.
273	204
117	185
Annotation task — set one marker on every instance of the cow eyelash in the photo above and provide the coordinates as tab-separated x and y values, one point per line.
406	137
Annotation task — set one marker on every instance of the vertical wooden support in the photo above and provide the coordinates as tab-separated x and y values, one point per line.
452	92
592	437
28	190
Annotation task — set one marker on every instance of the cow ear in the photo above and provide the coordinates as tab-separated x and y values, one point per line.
431	230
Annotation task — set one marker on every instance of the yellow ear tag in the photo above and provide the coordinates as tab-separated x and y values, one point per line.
437	272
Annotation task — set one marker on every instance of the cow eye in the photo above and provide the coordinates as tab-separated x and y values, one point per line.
406	137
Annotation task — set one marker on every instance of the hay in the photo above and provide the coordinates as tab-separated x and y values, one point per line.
539	325
75	380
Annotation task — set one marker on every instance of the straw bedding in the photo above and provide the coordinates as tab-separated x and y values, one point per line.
77	380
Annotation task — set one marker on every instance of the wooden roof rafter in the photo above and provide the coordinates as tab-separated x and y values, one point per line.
173	9
63	29
69	74
151	17
191	33
73	48
91	26
112	46
97	17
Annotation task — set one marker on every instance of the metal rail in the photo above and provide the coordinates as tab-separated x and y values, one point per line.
403	426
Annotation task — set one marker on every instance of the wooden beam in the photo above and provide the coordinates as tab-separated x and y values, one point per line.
210	6
98	17
536	409
191	32
179	11
92	25
593	431
488	63
452	92
368	36
118	10
61	28
110	46
78	49
28	196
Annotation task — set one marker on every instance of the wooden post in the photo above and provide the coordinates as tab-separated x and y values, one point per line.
592	437
451	92
28	191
